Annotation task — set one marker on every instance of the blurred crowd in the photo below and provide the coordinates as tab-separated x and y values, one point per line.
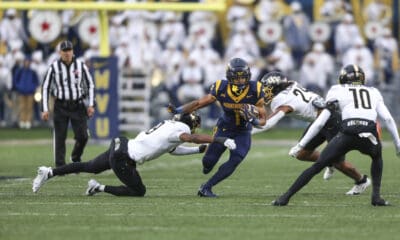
184	53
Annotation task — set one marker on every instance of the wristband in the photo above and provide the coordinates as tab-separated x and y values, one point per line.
255	122
179	109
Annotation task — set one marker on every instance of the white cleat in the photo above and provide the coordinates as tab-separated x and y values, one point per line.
41	178
328	174
359	188
93	187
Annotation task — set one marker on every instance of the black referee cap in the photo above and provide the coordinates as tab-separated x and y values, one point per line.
66	45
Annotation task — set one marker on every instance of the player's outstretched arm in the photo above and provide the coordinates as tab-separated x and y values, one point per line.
193	105
385	115
312	131
203	138
273	119
186	150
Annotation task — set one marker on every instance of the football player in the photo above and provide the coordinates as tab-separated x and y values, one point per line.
288	98
123	155
235	95
359	106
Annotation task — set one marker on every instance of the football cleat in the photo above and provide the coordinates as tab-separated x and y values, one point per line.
206	192
41	178
206	170
379	202
281	201
93	187
328	174
359	188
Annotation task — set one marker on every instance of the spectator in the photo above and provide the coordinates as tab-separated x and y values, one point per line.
5	88
345	34
11	28
26	81
386	53
192	79
378	11
317	69
362	56
296	28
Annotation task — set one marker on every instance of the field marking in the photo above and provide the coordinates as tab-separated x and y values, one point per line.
266	215
257	142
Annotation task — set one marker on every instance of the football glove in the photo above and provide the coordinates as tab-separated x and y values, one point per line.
171	108
230	143
294	151
249	113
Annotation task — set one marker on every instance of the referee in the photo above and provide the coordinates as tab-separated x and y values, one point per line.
69	81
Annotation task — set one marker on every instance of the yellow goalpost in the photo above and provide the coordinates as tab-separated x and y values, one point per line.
104	7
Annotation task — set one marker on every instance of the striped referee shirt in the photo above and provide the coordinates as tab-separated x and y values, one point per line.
67	83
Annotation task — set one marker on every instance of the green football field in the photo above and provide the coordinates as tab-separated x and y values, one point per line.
171	209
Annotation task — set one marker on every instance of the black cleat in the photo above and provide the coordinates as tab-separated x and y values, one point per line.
281	201
379	202
206	170
206	192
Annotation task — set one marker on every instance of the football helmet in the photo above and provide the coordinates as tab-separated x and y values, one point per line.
238	68
191	119
273	83
352	74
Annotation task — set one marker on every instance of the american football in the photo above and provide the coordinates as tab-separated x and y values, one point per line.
249	111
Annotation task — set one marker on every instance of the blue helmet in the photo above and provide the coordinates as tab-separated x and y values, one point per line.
238	68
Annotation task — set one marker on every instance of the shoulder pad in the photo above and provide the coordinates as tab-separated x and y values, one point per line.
332	106
319	103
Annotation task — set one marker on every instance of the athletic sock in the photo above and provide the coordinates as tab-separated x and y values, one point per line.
363	180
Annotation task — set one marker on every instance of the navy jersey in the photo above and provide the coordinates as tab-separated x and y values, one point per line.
231	103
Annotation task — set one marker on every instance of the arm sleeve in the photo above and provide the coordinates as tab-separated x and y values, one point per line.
270	122
184	150
315	127
386	117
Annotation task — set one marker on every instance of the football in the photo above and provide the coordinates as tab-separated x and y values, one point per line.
249	111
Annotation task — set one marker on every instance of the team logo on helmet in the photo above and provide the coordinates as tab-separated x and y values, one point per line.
273	83
238	68
191	119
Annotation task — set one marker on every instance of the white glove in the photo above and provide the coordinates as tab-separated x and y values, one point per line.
230	143
294	151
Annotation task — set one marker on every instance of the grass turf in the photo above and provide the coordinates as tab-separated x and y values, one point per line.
171	209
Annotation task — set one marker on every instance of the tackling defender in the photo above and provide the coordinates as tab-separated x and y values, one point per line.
236	95
359	106
288	98
123	155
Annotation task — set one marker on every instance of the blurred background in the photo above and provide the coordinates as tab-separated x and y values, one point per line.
173	54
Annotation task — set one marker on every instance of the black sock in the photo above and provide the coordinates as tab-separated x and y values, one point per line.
363	180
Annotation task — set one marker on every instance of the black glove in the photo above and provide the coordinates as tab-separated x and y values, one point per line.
171	108
202	148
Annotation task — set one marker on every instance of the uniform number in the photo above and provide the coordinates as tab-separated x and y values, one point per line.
155	127
361	96
303	93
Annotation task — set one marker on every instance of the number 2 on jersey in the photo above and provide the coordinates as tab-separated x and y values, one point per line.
155	127
303	93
